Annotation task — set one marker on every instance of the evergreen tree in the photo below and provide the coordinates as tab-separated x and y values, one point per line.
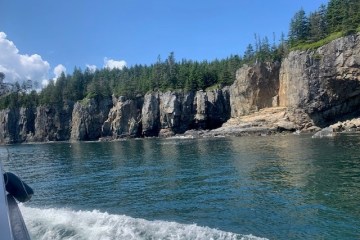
226	78
335	15
76	85
234	63
351	14
354	5
264	53
16	87
282	49
158	73
299	27
172	70
249	54
317	24
2	77
323	25
184	74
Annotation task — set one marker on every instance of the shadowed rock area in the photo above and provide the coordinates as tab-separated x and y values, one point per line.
325	83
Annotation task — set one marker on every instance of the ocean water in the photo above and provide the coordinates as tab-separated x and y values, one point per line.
275	187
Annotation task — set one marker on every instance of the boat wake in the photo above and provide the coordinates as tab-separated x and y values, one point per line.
67	224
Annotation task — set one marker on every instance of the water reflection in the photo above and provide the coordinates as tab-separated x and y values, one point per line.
322	167
278	187
292	178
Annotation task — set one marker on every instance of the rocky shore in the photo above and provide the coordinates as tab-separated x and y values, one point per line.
308	91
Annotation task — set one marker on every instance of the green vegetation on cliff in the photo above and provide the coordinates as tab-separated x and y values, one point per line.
163	75
307	31
338	18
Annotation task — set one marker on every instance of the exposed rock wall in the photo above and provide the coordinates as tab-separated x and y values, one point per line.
53	123
30	124
35	124
175	112
26	124
88	118
151	115
124	118
255	87
325	83
9	130
155	114
172	118
212	108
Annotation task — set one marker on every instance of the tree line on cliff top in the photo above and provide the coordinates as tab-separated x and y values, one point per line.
338	17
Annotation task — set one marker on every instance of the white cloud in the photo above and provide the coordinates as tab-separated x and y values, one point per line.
58	70
44	82
20	67
92	68
111	63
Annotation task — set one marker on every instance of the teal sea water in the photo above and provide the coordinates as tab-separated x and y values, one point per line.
279	187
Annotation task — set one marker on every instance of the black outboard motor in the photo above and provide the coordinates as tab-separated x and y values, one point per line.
17	188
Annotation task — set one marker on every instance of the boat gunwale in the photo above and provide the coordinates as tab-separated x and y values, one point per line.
5	225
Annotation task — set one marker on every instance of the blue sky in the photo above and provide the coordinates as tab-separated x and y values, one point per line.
66	34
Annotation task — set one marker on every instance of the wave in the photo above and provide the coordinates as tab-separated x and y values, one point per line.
70	225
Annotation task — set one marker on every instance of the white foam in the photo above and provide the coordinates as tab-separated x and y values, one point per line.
181	137
325	133
67	224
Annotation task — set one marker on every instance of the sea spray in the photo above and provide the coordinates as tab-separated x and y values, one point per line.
67	224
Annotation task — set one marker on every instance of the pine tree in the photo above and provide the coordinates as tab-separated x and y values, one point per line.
2	77
335	15
355	6
265	53
351	14
317	26
249	54
299	27
172	70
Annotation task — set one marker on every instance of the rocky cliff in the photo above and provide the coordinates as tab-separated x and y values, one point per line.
155	114
45	123
311	88
256	87
308	89
325	82
124	118
52	123
11	125
170	113
88	117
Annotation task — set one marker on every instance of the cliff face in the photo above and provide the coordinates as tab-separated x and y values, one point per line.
255	87
88	118
155	114
9	130
39	124
171	113
212	108
325	83
166	114
151	115
124	118
52	123
172	118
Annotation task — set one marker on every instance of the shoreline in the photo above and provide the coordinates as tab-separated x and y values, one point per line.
265	122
